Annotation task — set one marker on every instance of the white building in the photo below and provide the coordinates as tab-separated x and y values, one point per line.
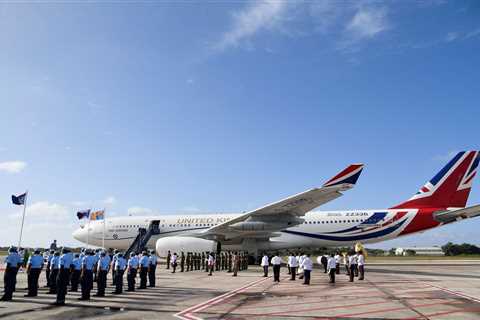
422	251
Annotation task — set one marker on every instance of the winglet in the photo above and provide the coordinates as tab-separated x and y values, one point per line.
348	175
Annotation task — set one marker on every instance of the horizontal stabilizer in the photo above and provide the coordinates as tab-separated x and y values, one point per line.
455	215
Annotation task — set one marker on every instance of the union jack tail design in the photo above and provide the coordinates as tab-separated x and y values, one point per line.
348	175
450	187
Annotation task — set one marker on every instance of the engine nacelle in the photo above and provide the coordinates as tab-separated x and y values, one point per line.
185	244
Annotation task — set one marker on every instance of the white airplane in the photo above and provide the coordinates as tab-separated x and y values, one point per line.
290	223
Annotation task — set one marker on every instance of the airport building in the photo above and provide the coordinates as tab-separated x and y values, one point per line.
423	251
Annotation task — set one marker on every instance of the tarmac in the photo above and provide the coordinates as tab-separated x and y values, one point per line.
407	290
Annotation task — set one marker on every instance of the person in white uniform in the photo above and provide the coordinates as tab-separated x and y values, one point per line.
332	267
307	269
292	262
337	263
265	264
276	263
361	265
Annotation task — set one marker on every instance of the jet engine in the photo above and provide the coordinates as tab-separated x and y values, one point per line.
185	244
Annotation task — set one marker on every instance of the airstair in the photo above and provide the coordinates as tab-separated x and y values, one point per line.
143	236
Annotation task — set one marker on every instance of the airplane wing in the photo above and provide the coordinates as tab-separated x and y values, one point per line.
459	214
285	213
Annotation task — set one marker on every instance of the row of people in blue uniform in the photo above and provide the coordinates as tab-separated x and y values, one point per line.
85	268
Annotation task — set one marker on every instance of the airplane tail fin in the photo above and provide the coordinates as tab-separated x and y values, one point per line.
450	187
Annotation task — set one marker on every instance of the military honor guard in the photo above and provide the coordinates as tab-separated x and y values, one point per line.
120	266
143	263
102	272
34	268
86	276
54	266
236	263
169	256
12	263
63	277
49	267
132	271
152	268
76	271
182	262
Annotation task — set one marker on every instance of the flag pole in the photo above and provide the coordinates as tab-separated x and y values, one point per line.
103	235
23	219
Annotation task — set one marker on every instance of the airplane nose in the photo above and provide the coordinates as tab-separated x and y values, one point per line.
79	234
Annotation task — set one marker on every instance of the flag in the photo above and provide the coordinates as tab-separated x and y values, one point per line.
83	214
97	215
19	200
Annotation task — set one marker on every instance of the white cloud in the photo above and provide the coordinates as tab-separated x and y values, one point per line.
110	200
472	34
367	23
44	210
451	36
259	15
12	166
139	211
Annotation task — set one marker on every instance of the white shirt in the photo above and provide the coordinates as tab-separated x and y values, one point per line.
292	262
210	260
264	261
332	263
337	258
361	260
307	264
276	261
300	261
174	259
352	260
319	259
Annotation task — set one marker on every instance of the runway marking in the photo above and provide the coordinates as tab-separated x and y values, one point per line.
459	294
187	314
390	309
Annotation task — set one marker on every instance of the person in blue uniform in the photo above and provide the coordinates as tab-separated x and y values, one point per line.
12	262
95	269
144	262
112	266
151	269
54	266
64	268
132	271
102	271
120	266
48	269
76	270
34	268
86	276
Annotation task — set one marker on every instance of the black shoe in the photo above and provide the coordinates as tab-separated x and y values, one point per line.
29	295
83	299
5	299
130	290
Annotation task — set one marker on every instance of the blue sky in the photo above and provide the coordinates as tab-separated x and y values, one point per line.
223	107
